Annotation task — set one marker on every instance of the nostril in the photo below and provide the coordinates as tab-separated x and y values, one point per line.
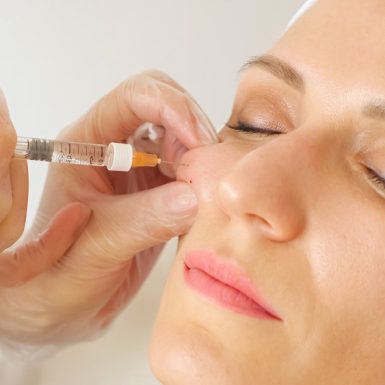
261	220
258	207
264	226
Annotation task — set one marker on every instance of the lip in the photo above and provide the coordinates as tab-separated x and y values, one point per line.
226	284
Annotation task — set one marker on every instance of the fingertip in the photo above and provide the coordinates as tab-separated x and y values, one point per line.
7	131
82	208
205	130
4	111
180	200
3	101
172	152
179	208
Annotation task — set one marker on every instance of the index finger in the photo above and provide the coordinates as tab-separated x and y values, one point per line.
144	98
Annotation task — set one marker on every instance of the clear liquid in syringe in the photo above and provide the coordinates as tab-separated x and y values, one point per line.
79	153
61	152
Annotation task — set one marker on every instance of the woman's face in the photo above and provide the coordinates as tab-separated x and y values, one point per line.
296	206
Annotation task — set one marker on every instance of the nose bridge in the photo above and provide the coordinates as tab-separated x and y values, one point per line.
273	183
292	156
276	165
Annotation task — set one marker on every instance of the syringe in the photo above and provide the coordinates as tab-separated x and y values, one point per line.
114	156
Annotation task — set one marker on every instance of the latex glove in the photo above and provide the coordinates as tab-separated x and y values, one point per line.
19	264
134	214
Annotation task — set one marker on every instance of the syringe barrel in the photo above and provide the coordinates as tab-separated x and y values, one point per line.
60	152
115	156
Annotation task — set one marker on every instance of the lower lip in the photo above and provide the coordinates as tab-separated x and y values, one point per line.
223	294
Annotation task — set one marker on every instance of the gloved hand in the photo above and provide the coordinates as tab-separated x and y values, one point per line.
133	215
23	261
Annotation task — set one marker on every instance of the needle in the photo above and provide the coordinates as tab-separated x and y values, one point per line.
173	163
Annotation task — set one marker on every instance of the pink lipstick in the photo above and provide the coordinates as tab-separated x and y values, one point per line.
225	283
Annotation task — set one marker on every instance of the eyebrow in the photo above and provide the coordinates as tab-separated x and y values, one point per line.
284	71
278	68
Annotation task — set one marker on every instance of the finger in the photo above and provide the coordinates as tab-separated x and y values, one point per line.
140	99
163	77
123	226
13	224
28	260
7	146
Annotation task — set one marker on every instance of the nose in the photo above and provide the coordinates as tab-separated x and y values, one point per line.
265	188
205	166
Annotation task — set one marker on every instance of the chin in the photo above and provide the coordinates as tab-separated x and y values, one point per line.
187	356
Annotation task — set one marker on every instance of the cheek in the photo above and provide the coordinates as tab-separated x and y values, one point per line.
348	256
206	166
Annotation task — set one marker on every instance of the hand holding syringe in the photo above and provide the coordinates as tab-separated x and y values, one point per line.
115	156
96	235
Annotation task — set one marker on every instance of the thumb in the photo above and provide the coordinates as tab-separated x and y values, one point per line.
7	132
4	113
32	258
7	146
122	226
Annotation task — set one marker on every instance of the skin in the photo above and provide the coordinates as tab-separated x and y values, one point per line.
298	212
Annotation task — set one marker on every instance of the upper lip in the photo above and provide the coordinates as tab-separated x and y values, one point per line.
227	272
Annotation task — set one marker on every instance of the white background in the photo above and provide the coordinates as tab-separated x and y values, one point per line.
58	57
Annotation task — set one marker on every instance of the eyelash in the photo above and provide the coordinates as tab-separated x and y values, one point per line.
375	178
242	127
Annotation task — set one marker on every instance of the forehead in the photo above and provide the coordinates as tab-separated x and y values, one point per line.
340	43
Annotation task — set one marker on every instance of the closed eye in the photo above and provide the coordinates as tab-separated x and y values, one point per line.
376	179
242	127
